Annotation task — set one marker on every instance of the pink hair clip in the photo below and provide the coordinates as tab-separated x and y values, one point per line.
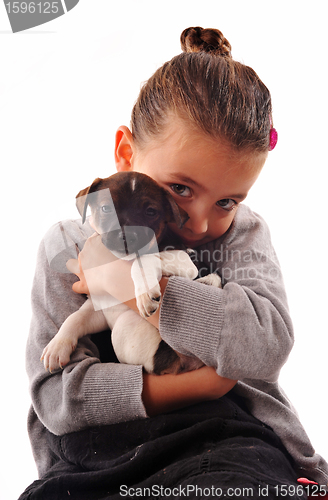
273	136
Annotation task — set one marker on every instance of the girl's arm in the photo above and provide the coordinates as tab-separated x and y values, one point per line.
86	392
244	330
171	392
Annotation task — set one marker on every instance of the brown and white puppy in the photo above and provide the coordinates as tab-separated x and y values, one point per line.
129	209
131	212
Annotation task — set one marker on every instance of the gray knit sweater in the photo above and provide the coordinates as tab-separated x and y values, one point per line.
244	330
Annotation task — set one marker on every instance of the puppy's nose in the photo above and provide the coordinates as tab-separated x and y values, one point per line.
129	236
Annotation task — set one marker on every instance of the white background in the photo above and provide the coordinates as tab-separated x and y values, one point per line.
64	89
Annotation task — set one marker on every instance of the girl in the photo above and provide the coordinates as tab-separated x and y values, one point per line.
202	128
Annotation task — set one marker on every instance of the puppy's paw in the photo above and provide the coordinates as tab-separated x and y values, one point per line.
148	303
57	354
211	279
178	263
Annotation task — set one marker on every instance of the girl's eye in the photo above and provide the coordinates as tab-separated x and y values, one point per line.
227	204
180	189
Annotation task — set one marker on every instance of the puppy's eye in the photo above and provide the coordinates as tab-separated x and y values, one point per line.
107	209
151	212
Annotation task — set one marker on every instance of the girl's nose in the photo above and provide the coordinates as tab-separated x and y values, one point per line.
198	222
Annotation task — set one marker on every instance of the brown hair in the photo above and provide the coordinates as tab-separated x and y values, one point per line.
220	96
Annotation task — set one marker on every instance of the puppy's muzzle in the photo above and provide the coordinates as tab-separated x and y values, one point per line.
129	240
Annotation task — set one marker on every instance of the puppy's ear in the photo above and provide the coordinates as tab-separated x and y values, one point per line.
174	212
82	198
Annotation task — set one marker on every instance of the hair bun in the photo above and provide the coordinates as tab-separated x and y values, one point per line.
205	40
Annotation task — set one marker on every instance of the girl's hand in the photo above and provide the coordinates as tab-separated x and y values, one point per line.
102	273
74	266
170	392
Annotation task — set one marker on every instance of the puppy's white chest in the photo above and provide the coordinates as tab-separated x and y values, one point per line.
147	271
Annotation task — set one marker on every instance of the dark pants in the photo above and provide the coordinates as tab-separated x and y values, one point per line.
211	450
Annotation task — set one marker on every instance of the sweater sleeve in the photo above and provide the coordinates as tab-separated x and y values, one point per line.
243	329
86	392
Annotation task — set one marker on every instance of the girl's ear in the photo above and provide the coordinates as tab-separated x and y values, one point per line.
123	149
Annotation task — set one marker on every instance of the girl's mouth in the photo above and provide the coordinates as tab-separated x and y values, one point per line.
192	242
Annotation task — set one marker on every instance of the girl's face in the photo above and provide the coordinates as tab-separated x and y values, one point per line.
206	177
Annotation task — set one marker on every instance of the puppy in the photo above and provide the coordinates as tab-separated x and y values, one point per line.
131	212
